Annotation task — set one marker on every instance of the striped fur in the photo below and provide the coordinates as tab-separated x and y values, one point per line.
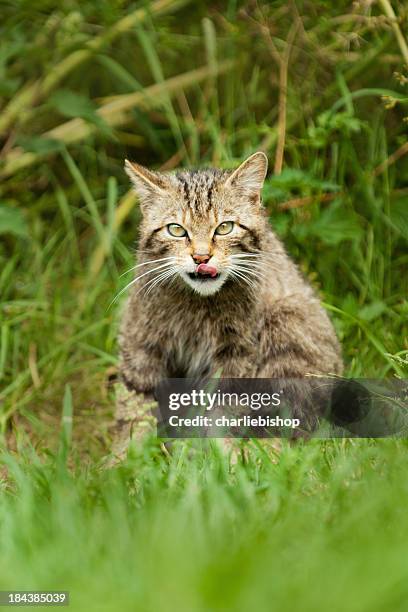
259	318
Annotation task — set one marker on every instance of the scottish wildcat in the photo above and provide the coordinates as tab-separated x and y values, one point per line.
214	289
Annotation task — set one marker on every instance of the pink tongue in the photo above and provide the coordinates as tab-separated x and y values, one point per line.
206	270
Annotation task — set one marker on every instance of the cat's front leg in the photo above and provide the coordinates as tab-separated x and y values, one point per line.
134	419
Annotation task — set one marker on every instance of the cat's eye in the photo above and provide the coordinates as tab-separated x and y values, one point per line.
176	230
224	228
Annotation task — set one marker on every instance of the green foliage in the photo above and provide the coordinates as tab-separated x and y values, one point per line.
332	227
399	217
323	528
40	145
70	104
175	83
12	221
332	126
296	181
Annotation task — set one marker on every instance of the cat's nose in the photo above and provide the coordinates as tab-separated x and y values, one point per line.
201	258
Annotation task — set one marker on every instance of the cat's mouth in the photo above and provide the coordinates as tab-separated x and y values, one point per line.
206	279
204	272
203	277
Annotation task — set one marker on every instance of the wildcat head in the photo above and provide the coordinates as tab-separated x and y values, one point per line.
204	226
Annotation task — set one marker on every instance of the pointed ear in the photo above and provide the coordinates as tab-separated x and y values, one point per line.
250	175
147	184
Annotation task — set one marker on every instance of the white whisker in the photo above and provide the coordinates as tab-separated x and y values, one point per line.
258	267
158	280
253	268
251	256
145	263
256	262
254	273
160	274
250	264
245	280
132	282
248	260
163	265
245	272
243	277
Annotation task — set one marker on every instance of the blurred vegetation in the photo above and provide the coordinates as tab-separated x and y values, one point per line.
322	88
322	528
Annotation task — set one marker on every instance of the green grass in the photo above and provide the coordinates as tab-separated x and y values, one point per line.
325	527
178	83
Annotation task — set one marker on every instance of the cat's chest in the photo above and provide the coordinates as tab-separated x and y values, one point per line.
197	343
193	344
